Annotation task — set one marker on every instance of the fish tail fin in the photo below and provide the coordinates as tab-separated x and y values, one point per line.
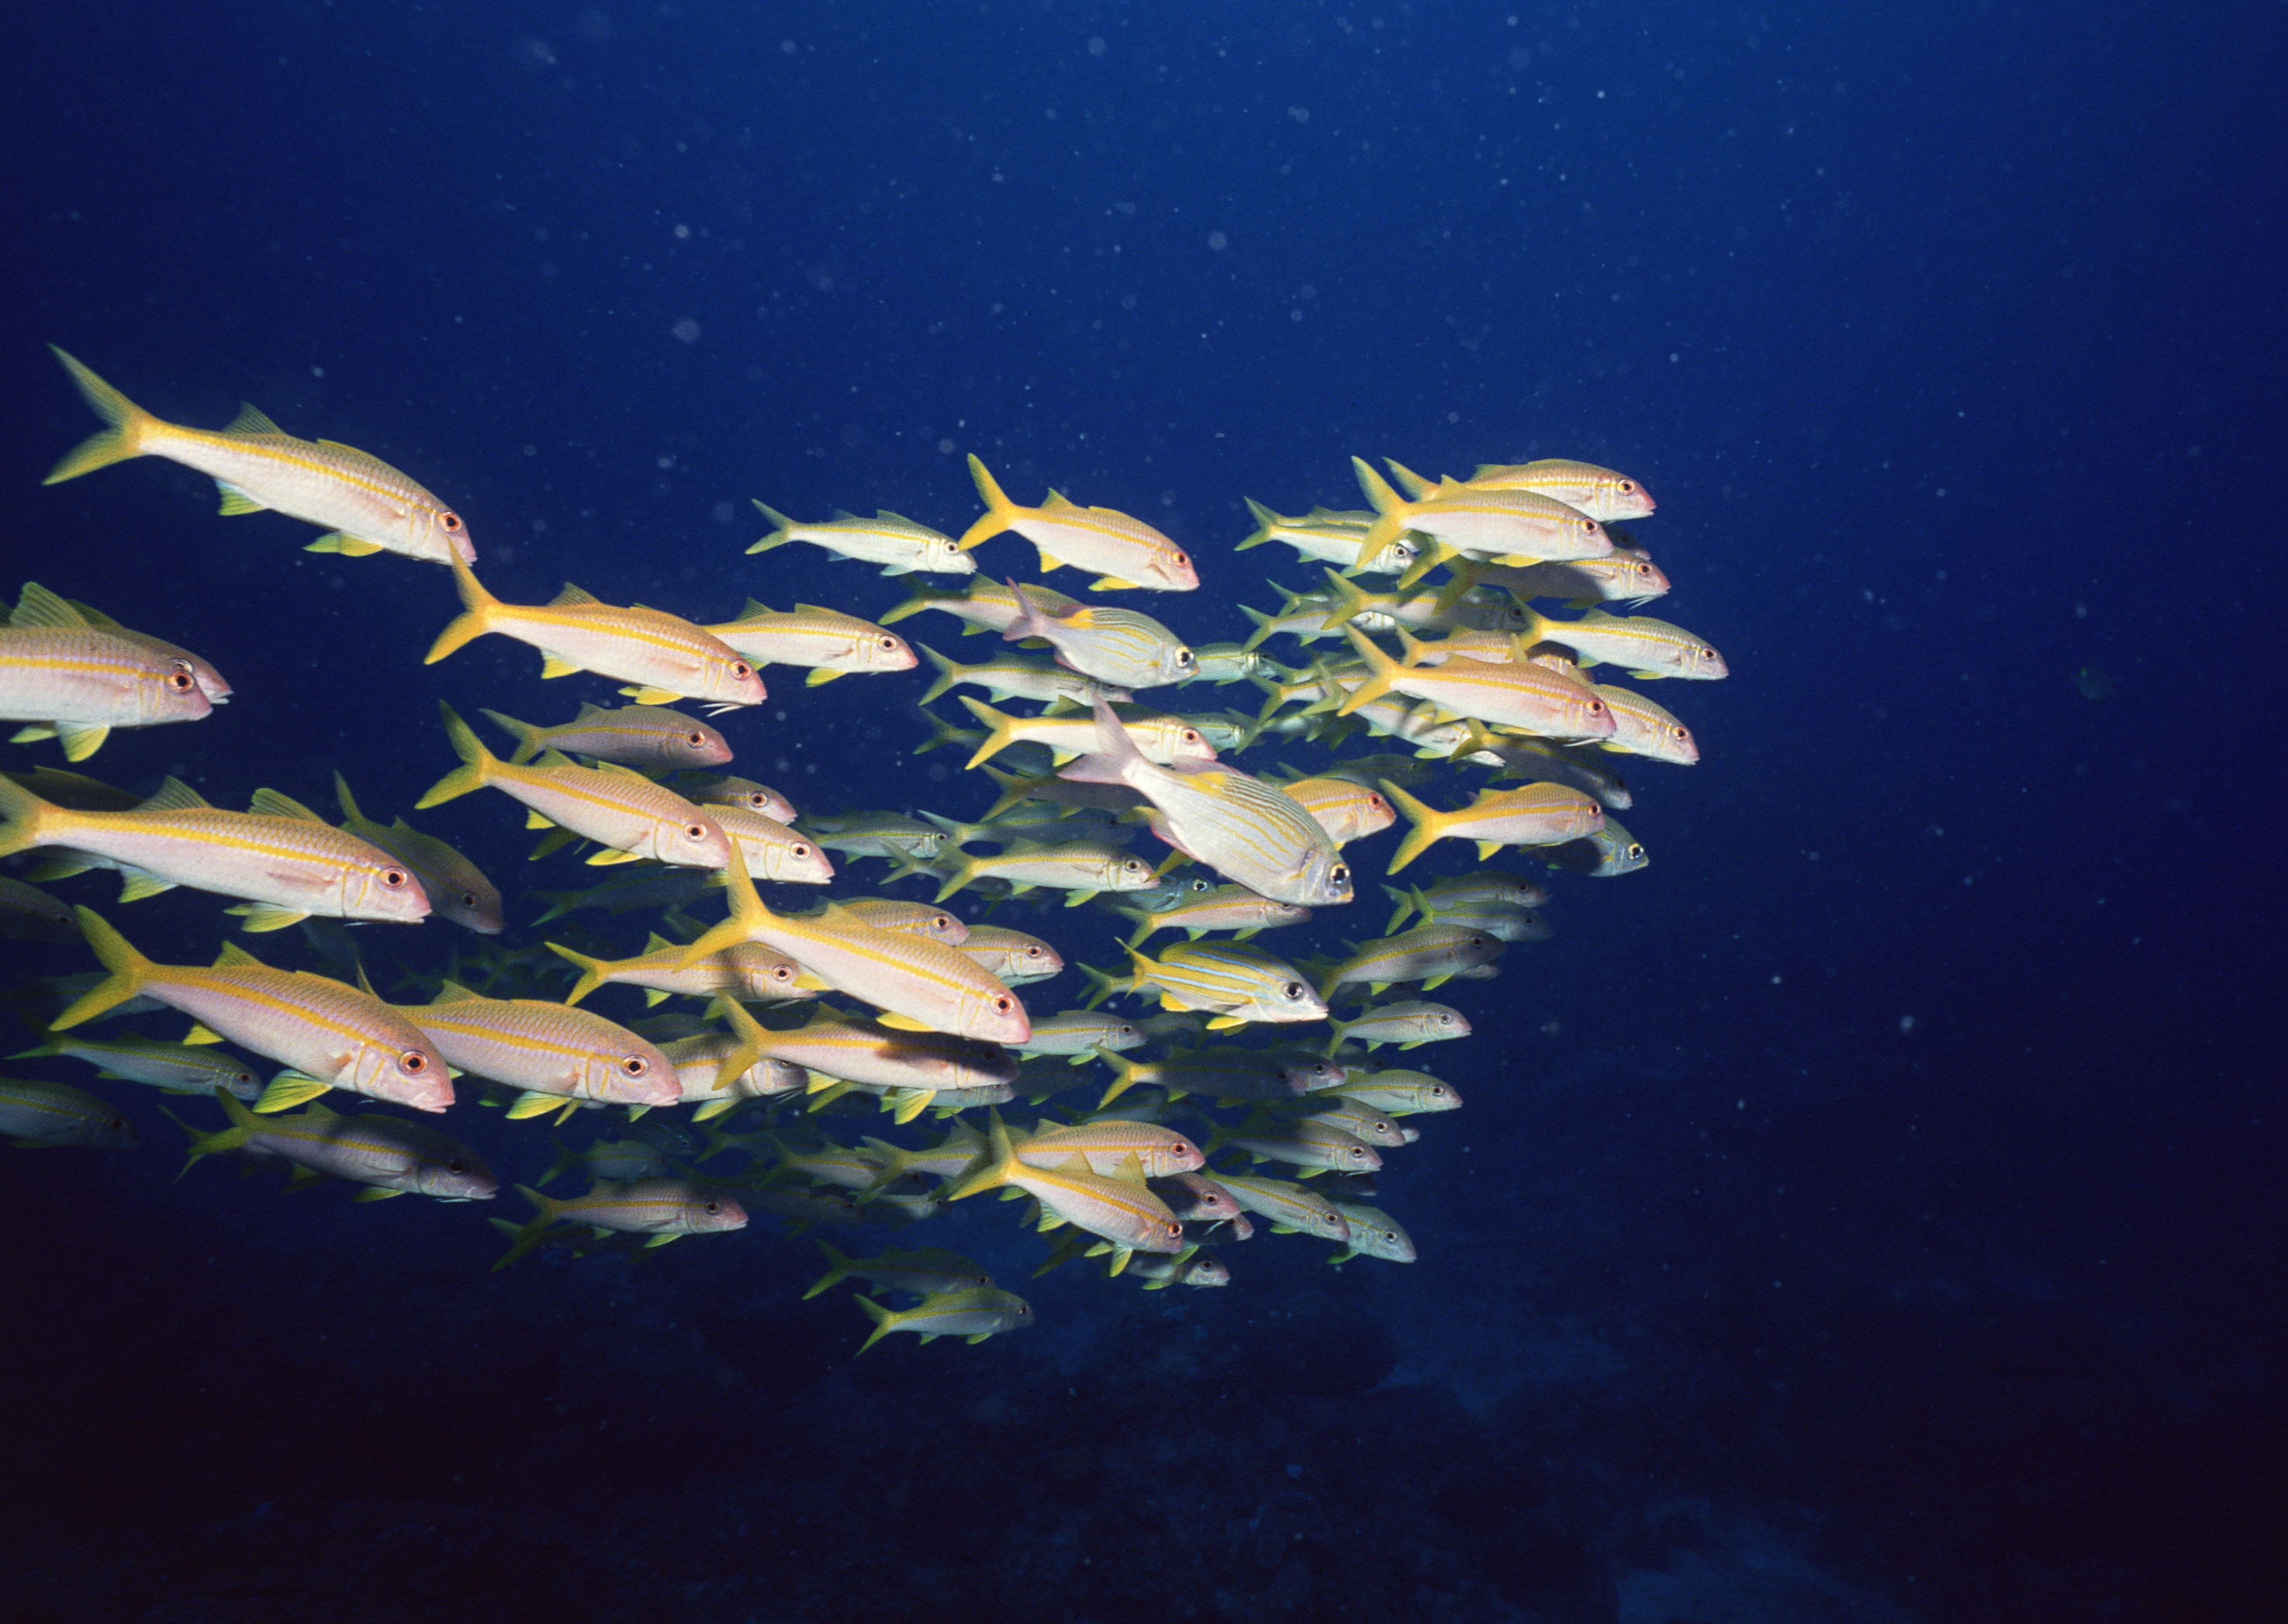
127	968
1262	627
991	1168
476	768
475	619
1405	899
965	870
747	912
1383	671
1466	574
1116	754
1013	792
123	438
525	734
242	1126
1123	1074
1001	729
838	1265
1349	600
1389	509
1412	483
949	672
1102	986
1429	824
1030	623
1264	520
20	816
592	971
885	1322
919	596
998	509
782	528
543	1215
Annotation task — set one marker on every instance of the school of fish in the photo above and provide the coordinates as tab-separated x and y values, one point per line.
859	1059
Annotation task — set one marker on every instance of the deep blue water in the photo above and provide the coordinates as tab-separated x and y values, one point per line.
1860	1213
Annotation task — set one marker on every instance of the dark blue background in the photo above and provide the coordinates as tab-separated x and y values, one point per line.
1949	339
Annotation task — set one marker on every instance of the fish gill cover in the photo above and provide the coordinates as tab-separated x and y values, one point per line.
847	1052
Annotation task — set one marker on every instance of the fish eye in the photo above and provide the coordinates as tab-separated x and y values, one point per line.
697	831
1596	707
1680	733
450	522
1183	561
456	1165
1375	803
1002	1006
179	681
1292	990
1635	850
695	740
1032	953
635	1065
413	1060
393	876
889	644
741	669
801	851
711	1208
1191	735
1340	874
1625	485
1183	656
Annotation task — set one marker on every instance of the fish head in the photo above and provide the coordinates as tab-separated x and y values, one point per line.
944	557
1619	497
1033	959
1322	880
413	1075
110	1131
169	690
1293	1000
760	973
1171	567
943	927
1129	873
994	1015
1311	1075
694	841
1204	1272
631	1074
457	1174
694	744
385	889
731	680
1705	664
468	901
885	650
1187	743
1176	664
710	1212
801	862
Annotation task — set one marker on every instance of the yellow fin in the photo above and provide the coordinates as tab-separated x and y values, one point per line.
33	734
348	546
270	804
41	607
79	742
252	420
1224	1023
909	1104
232	956
287	1090
652	696
533	1103
173	796
609	855
200	1034
555	665
537	820
135	886
571	595
1049	563
1487	848
267	915
1112	583
818	675
235	501
901	1022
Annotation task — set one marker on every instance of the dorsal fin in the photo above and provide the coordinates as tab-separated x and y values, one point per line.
589	708
94	616
618	770
453	992
753	608
845	516
270	804
818	609
39	607
252	419
899	517
336	445
657	943
234	957
174	796
552	759
1056	499
571	595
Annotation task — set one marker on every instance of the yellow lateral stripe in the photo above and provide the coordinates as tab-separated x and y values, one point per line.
315	460
223	983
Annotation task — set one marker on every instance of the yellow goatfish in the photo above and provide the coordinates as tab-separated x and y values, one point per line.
1530	698
1538	815
826	640
660	655
1604	495
617	807
35	1114
282	857
321	1030
917	982
386	1155
364	505
547	1050
897	543
457	888
651	737
41	607
75	681
1127	1214
1124	551
662	1208
972	1315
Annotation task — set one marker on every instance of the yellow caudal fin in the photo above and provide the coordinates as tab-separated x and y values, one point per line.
1001	728
525	734
115	444
1382	671
1429	824
747	911
1264	520
999	510
992	1168
20	817
838	1265
1413	484
1389	508
475	619
782	531
477	766
544	1211
949	672
592	971
127	966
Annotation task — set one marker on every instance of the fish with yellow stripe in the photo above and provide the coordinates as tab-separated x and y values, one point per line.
1527	697
616	807
659	1209
914	979
38	606
178	1068
1235	985
899	544
551	1051
973	1314
1536	815
35	1114
387	1156
1122	1211
363	504
649	737
457	888
1603	494
286	861
661	656
829	642
320	1029
1125	553
73	681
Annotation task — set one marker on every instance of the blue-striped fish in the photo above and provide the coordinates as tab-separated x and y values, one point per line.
1118	646
1236	984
